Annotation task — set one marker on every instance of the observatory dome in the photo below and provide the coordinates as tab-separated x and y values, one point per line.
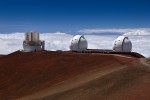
78	43
122	44
32	42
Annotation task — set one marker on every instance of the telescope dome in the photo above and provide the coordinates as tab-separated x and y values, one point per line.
32	42
122	44
78	43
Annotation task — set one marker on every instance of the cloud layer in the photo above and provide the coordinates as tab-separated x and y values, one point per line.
61	41
126	31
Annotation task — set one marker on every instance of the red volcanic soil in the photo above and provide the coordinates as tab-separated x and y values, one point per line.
48	75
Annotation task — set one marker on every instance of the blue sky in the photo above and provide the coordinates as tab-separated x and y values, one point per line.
72	15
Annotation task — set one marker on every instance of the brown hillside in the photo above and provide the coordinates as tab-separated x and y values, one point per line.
72	76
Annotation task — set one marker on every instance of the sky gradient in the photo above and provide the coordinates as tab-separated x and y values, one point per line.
70	16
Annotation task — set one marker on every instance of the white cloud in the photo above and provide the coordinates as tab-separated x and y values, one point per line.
61	41
56	41
100	42
125	31
141	44
138	32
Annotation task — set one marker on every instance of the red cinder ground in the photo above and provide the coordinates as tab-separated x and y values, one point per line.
48	75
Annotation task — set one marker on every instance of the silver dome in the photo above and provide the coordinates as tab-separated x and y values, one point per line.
122	44
78	43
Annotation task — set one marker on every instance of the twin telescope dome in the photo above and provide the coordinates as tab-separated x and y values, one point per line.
122	44
78	43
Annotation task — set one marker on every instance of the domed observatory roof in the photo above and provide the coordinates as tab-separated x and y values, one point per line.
32	42
122	44
78	43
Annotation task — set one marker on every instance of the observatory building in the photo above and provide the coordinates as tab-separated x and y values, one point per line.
122	44
78	43
32	42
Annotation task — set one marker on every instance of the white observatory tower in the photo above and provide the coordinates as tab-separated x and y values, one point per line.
78	43
122	44
32	42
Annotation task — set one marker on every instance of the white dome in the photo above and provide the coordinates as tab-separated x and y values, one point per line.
122	44
78	43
